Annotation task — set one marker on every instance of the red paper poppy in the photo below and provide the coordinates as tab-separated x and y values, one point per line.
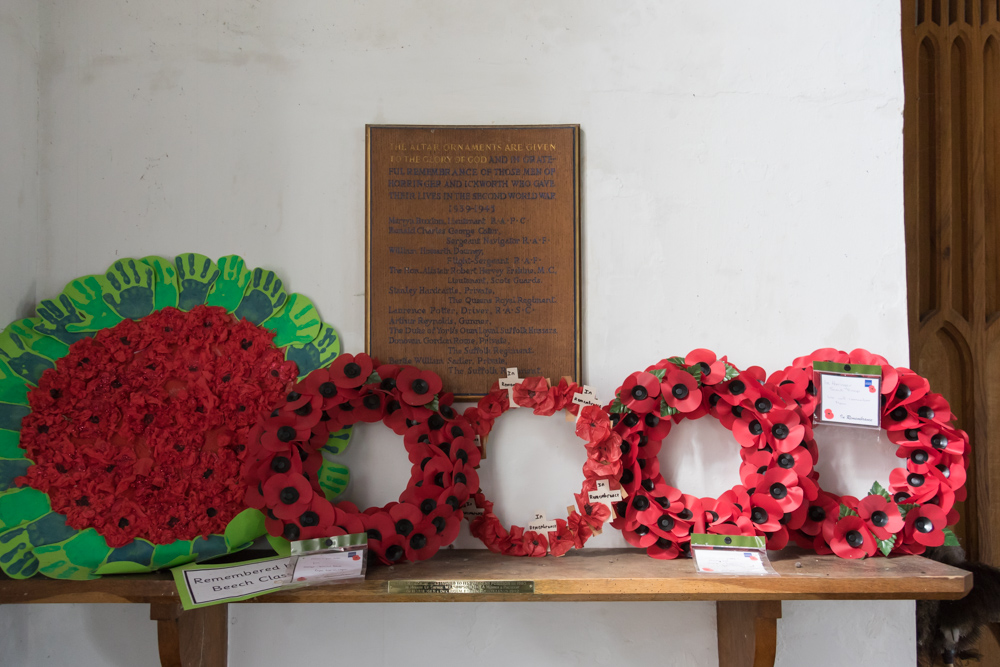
593	424
417	387
852	539
925	525
288	495
711	369
680	390
351	370
640	392
881	516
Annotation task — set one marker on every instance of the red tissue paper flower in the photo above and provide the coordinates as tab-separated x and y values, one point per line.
140	431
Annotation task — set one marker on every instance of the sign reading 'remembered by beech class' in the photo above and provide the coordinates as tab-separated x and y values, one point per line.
473	251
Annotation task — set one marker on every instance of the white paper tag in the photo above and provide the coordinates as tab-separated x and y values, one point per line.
586	397
605	496
850	399
542	525
729	561
330	566
214	584
508	383
470	510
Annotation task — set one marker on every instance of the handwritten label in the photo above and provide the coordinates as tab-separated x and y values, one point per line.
605	496
470	510
730	561
508	382
850	399
542	525
326	567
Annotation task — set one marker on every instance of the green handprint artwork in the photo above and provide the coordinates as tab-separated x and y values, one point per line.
16	544
86	295
263	297
333	478
316	353
165	276
60	316
196	274
227	292
133	285
75	558
298	322
13	388
27	352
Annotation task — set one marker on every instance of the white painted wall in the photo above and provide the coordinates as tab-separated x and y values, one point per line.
742	188
19	213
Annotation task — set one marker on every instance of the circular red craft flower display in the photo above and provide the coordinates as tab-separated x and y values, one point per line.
139	431
280	473
918	507
777	480
544	538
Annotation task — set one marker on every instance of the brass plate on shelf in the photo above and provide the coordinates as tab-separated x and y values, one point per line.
415	587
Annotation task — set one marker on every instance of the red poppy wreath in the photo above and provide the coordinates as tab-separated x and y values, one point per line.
125	407
777	480
583	521
284	459
919	506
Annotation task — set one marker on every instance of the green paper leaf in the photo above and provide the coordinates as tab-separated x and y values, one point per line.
19	506
617	407
333	479
885	546
13	387
195	276
165	291
87	296
731	372
950	539
56	318
297	321
666	410
10	445
246	526
433	405
17	544
263	298
281	546
127	288
677	361
878	490
695	371
846	511
11	416
171	555
27	352
905	509
75	558
317	353
658	373
229	287
373	378
337	442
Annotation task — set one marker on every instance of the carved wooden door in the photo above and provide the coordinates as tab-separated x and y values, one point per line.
951	73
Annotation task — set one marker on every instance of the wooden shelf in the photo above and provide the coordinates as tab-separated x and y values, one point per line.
748	607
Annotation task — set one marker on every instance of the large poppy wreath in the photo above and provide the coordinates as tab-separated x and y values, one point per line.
285	466
125	407
583	521
777	479
918	508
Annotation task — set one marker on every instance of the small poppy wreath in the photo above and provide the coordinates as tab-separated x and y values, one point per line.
125	407
284	468
582	522
918	508
777	479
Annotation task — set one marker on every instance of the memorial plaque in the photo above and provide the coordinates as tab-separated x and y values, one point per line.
473	251
418	587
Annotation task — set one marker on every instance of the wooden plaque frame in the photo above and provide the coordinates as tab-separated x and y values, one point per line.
472	251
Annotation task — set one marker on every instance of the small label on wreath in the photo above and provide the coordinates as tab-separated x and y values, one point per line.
470	510
508	383
605	495
542	525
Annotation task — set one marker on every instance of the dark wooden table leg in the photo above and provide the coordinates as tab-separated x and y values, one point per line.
748	632
196	638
